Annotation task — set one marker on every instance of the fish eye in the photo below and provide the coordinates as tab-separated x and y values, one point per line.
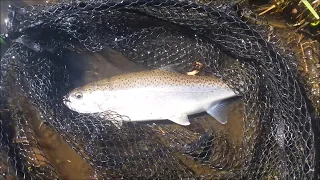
78	95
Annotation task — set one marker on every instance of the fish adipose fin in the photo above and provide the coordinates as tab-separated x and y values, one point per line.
220	110
181	119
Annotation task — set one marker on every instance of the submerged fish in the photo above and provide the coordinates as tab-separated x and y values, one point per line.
154	95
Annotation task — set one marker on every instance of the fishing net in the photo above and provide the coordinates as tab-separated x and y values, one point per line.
278	131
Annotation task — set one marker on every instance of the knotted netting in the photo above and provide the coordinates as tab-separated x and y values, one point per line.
279	136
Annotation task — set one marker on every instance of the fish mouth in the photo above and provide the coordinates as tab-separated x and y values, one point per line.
66	100
68	104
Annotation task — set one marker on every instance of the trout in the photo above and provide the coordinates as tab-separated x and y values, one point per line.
154	95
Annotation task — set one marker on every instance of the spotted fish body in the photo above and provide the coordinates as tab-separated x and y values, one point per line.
153	95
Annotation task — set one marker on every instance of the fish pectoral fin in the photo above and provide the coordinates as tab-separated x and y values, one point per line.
220	110
115	122
181	119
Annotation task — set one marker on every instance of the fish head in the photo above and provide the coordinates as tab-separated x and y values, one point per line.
87	100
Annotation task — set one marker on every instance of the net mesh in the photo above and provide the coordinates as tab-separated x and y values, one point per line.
278	134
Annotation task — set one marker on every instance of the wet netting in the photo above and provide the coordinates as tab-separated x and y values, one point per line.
279	132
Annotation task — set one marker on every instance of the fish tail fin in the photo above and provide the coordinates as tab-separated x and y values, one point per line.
220	110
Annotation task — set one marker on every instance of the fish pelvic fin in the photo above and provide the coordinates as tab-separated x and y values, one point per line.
219	110
116	123
181	119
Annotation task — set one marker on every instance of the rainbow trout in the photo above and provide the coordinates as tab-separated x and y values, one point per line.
154	95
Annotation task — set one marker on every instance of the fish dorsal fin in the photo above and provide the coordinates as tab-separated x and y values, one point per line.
176	67
181	119
220	110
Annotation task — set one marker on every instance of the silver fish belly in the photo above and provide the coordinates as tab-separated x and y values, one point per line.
173	103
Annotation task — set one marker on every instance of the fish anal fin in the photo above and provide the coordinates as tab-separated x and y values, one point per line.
181	119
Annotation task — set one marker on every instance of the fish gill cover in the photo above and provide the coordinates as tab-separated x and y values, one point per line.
280	130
